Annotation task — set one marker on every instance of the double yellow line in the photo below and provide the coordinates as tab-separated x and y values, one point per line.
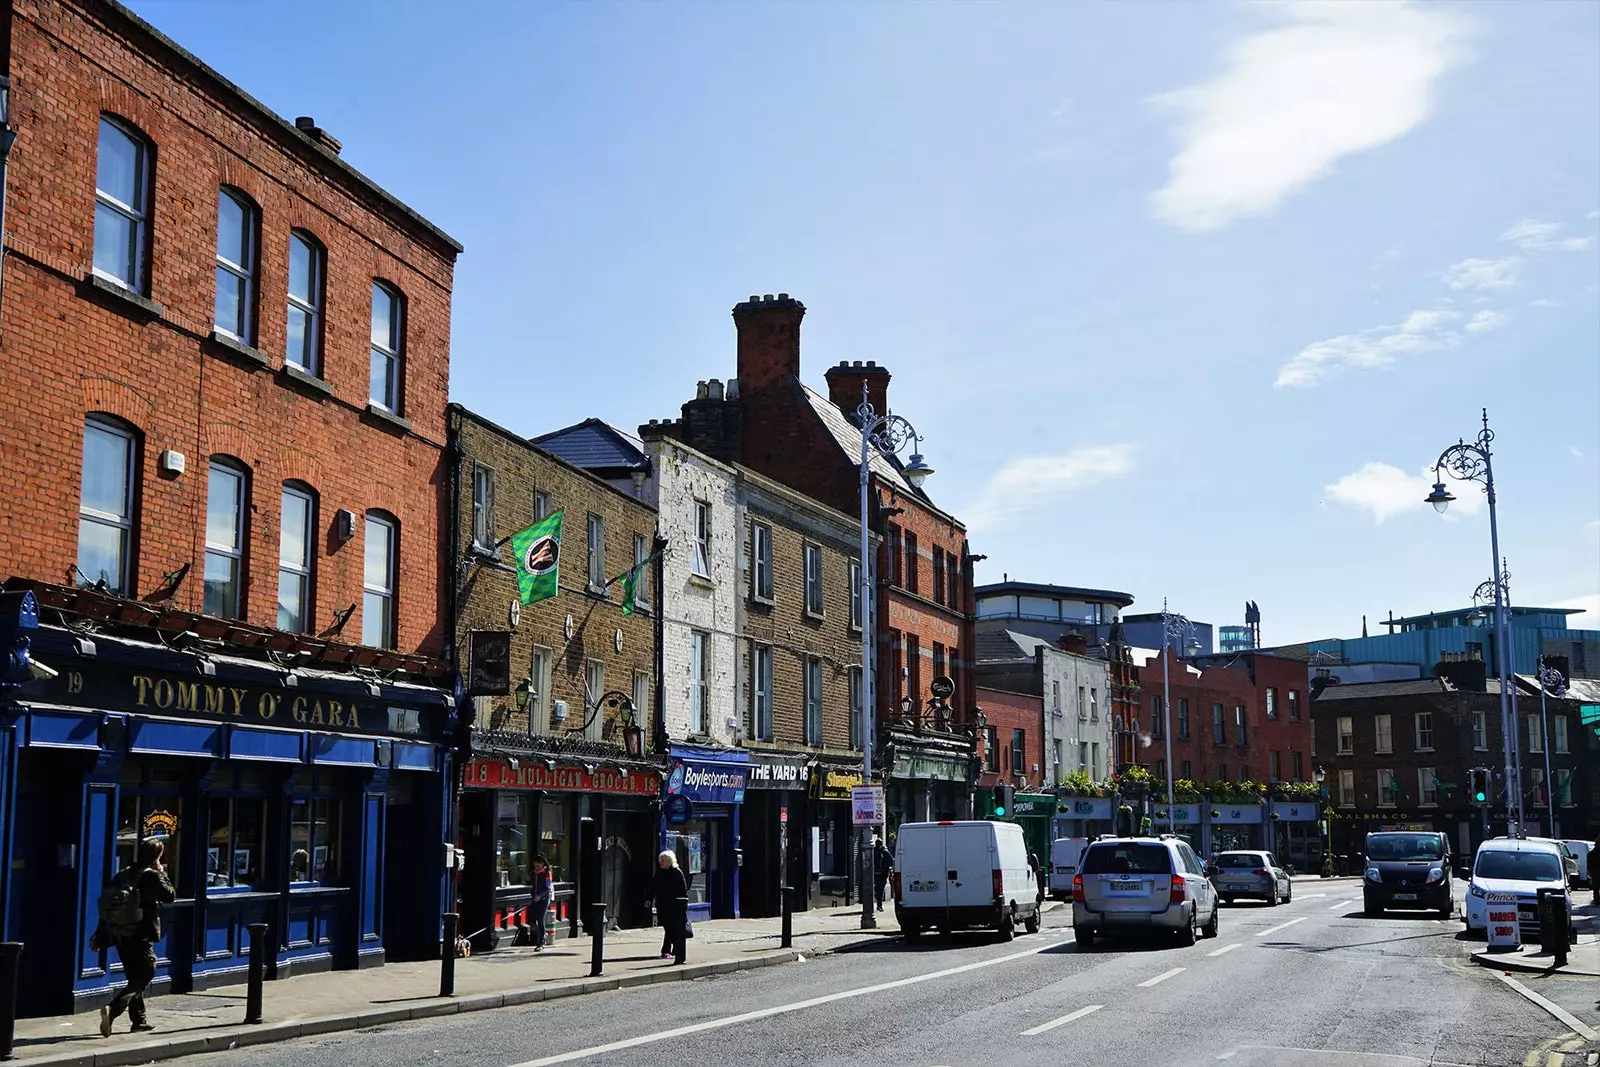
1566	1050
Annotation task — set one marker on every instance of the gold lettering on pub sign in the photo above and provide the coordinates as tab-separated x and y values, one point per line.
229	702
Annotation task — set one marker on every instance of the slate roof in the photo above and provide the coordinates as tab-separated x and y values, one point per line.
595	445
848	436
1006	646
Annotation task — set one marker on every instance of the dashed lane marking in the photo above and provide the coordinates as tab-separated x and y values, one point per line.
1162	977
1224	948
1064	1020
1281	926
1341	904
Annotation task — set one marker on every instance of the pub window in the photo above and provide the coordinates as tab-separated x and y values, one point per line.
234	848
513	854
150	817
295	542
106	504
234	313
314	841
377	602
303	321
225	528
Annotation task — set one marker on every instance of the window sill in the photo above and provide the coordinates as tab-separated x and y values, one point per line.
300	376
702	581
238	349
813	616
755	598
389	418
1375	752
134	305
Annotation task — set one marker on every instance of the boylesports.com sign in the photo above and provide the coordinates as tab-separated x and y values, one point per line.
707	783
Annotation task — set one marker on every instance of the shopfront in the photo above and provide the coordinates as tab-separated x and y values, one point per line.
280	794
701	820
1235	826
1293	835
776	824
1078	816
833	842
930	779
594	826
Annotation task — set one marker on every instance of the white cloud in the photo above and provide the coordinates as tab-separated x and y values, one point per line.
1422	331
1533	236
1543	303
1290	101
1483	321
1592	528
1577	453
1387	491
1483	273
1027	482
1590	606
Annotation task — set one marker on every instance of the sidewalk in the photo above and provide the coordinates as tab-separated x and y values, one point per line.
210	1021
1583	959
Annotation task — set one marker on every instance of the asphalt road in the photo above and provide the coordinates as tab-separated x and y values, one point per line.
1307	983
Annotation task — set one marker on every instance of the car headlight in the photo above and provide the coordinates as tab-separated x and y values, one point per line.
1435	874
1373	875
1475	890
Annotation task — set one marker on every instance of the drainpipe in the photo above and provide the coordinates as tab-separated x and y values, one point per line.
8	137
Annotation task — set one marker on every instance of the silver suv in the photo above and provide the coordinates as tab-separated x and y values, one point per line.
1142	885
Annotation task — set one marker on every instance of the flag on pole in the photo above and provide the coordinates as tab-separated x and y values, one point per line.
630	582
538	553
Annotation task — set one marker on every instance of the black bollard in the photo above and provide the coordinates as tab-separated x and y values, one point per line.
788	916
597	947
447	957
10	960
258	967
680	943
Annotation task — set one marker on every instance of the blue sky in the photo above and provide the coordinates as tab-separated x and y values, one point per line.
1184	297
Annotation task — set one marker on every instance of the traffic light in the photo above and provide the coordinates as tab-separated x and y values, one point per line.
1478	784
1002	801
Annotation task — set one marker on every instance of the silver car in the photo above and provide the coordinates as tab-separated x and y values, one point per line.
1250	875
1142	885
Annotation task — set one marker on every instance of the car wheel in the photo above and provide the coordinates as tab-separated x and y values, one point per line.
1083	936
1288	898
1188	935
1272	896
1228	901
1446	910
1007	928
1210	928
1031	924
1372	910
911	933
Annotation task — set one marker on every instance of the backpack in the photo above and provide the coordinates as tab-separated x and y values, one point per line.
120	908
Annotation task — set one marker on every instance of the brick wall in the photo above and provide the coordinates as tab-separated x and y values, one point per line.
904	613
66	350
489	585
1006	712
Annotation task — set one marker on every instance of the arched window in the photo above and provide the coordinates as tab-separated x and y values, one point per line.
237	222
378	580
107	503
296	554
226	488
122	204
307	269
387	344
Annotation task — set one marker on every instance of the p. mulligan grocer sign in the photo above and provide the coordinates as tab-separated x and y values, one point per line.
498	774
113	687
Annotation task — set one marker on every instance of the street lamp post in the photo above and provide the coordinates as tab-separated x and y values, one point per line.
1327	822
1173	629
886	434
1498	589
1471	462
1551	679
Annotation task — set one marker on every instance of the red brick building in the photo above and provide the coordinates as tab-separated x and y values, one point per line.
225	355
1012	742
769	420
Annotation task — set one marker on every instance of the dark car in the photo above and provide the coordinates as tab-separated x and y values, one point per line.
1407	869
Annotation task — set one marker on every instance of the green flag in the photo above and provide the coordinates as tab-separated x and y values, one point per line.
629	580
538	552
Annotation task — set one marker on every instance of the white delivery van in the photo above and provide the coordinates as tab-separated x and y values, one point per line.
1066	853
951	875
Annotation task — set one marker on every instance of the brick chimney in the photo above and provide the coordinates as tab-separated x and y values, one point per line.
1466	671
1075	643
308	126
844	386
769	341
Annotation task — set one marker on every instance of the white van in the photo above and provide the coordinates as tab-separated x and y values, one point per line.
949	875
1066	853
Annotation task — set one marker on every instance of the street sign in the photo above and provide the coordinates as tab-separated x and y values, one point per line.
677	809
783	814
866	805
943	687
1503	928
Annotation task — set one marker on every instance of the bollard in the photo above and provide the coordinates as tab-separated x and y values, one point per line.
1553	933
597	947
788	915
680	943
10	960
258	966
447	958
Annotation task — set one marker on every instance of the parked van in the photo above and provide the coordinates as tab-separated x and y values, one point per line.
952	875
1066	853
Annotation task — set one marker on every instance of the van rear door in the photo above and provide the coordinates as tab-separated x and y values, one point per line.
1127	876
970	860
919	859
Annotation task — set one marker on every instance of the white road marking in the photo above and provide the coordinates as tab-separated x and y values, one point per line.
1341	904
1053	1023
1569	1020
767	1013
1225	948
1281	926
1311	896
1162	977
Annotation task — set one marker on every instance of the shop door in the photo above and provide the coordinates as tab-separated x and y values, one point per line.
476	886
40	908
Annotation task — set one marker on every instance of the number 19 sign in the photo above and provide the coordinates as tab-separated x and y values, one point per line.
866	805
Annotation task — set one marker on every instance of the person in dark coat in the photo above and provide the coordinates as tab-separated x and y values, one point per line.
882	862
543	883
1035	868
135	945
671	890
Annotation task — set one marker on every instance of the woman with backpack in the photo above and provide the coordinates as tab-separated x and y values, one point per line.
130	920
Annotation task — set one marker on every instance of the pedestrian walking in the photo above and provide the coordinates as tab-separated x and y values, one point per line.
543	892
882	861
1035	868
130	921
671	889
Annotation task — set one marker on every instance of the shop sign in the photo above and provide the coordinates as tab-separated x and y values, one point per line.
1033	805
938	768
866	805
1306	812
1084	807
677	809
776	772
830	784
708	783
1236	813
117	687
1504	931
498	774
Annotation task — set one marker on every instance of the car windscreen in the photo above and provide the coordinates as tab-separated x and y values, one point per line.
1129	858
1241	859
1524	866
1404	847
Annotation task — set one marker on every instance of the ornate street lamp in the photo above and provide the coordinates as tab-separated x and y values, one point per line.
1327	823
1549	679
1174	629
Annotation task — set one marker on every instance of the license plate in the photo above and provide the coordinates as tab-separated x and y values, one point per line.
1405	896
1237	888
924	887
1127	887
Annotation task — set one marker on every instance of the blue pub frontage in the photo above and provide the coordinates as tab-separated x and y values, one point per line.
285	783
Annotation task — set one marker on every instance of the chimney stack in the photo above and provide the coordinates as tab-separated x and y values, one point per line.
1465	671
769	341
844	386
308	126
1075	643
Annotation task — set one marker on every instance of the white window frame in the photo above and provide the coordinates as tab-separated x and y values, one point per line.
761	692
760	561
1345	728
858	705
1383	733
641	574
1558	735
542	505
1535	733
1347	788
121	522
1480	731
1241	729
595	542
699	682
482	507
856	620
1388	796
540	660
813	701
297	570
1423	725
1427	788
1563	788
701	562
232	555
813	576
1083	703
308	304
1094	704
138	214
594	687
1294	705
389	353
245	272
1272	702
1540	795
1055	697
641	696
383	595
